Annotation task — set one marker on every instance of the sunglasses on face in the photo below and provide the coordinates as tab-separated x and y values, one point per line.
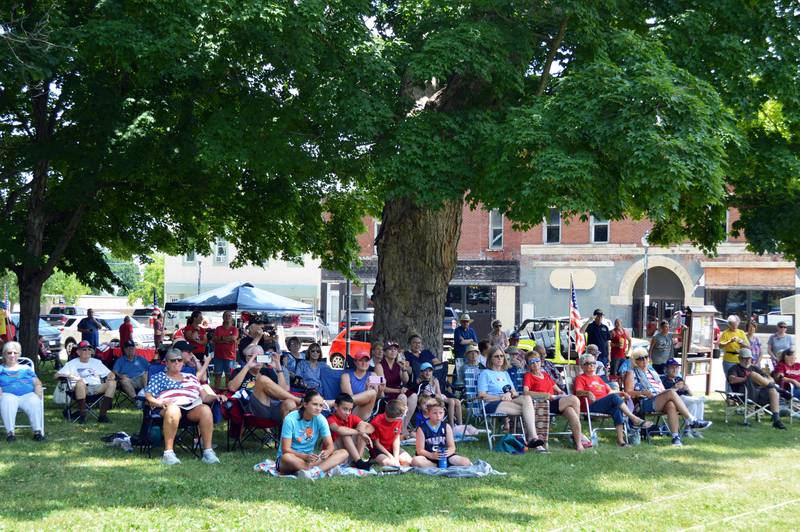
588	363
175	360
534	361
643	358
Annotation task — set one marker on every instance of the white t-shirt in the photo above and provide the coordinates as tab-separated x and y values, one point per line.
91	372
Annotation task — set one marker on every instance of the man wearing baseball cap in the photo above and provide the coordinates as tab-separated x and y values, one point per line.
464	336
598	333
760	387
89	376
131	370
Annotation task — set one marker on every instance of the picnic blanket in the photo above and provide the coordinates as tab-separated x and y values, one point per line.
476	470
458	438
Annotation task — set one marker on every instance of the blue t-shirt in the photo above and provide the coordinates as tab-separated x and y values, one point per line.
493	382
93	336
17	382
131	368
304	434
460	334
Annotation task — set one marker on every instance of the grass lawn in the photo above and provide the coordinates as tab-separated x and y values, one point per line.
735	478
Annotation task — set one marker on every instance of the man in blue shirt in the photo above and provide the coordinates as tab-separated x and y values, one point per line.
464	336
90	328
131	370
599	334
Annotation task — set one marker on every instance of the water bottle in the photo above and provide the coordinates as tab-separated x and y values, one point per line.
442	458
594	439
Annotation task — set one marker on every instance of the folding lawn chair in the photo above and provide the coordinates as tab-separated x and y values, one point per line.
596	421
736	403
71	410
243	426
187	438
476	408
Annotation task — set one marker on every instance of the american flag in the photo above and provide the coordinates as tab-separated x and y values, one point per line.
575	321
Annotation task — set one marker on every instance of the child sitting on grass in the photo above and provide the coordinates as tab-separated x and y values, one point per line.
385	450
349	431
435	438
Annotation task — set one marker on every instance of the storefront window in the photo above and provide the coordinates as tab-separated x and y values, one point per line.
756	305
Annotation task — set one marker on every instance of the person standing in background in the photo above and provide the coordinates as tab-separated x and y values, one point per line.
620	346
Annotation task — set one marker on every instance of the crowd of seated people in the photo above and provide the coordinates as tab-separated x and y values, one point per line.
375	402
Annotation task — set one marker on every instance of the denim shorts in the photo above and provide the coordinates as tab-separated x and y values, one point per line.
223	367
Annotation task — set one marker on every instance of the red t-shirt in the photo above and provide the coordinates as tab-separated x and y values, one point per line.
543	384
793	371
351	423
197	349
225	350
125	333
386	431
619	343
593	384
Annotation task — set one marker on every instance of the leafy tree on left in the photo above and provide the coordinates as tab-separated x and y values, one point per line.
130	127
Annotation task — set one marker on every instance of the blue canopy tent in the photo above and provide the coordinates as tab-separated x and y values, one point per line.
240	296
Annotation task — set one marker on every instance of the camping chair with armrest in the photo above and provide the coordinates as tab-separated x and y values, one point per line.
244	426
477	408
71	410
597	421
25	361
736	402
187	438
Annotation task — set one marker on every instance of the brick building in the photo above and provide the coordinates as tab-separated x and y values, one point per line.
515	275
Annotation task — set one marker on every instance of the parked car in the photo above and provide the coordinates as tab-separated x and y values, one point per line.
144	315
449	324
363	317
59	314
310	329
360	342
52	336
70	334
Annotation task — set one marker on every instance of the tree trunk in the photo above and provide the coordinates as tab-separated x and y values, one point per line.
30	294
417	254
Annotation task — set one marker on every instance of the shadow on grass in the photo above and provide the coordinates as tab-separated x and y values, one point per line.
75	471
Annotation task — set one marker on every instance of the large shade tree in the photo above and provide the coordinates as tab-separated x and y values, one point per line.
668	110
134	126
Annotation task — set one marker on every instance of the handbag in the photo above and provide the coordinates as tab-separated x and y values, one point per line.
60	394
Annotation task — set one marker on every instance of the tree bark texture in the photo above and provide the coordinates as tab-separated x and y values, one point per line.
417	254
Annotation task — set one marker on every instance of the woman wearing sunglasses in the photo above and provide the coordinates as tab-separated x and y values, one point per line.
601	399
539	385
643	383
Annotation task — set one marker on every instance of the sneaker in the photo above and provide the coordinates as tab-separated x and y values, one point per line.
210	457
38	436
311	474
676	441
82	420
778	424
103	419
699	424
10	437
169	458
362	464
689	434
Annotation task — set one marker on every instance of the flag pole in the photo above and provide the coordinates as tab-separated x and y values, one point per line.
569	314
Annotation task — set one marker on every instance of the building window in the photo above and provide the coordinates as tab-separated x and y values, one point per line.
552	227
221	251
495	229
376	227
189	257
599	229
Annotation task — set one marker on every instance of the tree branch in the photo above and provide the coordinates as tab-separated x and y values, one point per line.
551	55
64	241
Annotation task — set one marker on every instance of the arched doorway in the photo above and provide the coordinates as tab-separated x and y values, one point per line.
666	296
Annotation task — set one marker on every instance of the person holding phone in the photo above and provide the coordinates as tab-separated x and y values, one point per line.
302	430
266	398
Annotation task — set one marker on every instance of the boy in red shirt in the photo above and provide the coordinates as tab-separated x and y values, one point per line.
385	448
226	336
349	431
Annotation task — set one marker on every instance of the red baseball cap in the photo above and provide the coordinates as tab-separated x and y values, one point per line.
84	344
360	356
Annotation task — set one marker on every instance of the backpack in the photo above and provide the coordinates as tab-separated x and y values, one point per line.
510	444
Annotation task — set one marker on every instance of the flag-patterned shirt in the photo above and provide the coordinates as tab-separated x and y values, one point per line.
182	392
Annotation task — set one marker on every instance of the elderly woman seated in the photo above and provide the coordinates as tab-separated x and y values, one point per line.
602	399
177	394
20	389
672	380
643	383
540	385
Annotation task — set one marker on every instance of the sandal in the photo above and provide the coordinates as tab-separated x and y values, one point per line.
644	424
533	444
